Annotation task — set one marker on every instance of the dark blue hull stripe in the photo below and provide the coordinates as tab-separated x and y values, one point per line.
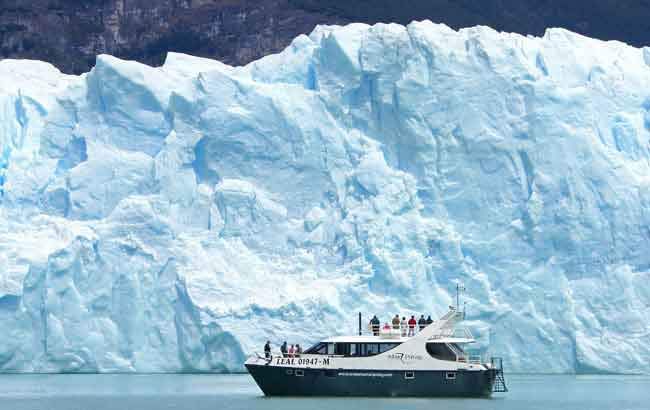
285	381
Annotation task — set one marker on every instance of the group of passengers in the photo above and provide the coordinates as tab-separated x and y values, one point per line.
402	326
291	351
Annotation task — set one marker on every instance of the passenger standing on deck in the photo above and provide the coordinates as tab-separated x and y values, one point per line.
283	349
429	320
396	323
422	322
386	328
292	351
298	350
267	349
412	324
403	324
374	323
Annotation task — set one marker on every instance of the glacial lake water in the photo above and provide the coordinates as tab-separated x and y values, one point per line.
215	392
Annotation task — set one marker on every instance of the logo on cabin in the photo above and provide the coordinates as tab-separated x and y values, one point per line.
404	357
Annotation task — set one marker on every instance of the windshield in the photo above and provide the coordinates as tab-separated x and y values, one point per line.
458	347
318	348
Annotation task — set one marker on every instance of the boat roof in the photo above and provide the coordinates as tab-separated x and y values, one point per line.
365	339
451	340
394	339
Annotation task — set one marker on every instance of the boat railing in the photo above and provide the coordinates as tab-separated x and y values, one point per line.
467	358
289	355
448	315
459	332
391	333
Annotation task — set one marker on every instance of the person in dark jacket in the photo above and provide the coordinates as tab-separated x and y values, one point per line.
422	322
283	349
374	323
429	320
267	349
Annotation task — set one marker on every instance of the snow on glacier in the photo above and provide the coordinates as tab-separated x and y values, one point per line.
174	218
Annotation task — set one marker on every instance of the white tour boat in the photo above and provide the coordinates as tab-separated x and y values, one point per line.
430	363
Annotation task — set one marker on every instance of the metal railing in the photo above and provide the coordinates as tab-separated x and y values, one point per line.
394	333
474	359
460	332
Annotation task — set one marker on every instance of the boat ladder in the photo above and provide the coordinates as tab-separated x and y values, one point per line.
499	385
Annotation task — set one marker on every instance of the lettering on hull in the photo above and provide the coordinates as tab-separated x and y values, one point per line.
302	361
358	374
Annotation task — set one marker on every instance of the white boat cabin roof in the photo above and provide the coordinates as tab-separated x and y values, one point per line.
392	339
457	340
365	339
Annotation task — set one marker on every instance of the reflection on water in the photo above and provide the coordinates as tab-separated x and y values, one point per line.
196	392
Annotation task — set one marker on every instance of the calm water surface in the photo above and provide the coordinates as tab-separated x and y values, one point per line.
160	392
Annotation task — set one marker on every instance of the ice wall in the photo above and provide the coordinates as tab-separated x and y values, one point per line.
174	218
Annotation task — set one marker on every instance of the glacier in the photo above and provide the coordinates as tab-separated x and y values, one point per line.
174	218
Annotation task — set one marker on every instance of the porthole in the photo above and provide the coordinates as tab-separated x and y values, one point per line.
300	373
409	375
450	375
289	372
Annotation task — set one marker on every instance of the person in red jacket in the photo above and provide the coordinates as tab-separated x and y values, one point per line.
412	323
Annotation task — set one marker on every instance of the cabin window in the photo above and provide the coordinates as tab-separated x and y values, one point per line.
331	373
409	375
450	376
363	350
351	349
354	349
440	351
371	349
300	372
342	349
330	348
384	347
289	372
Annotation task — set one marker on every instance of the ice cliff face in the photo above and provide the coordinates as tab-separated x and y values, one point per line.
174	218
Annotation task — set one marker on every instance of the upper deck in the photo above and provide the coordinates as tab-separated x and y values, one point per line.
398	339
453	334
441	339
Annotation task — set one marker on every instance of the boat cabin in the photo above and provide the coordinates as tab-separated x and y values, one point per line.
447	348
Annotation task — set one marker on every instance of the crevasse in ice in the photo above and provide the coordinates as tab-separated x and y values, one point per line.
174	218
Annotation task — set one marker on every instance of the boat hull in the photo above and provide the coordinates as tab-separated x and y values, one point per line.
285	381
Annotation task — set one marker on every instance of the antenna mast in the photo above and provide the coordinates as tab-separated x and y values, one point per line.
459	288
